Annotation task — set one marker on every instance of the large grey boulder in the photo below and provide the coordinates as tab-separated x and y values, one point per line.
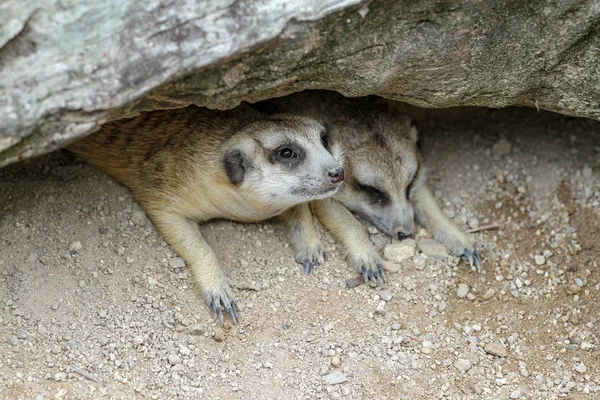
68	67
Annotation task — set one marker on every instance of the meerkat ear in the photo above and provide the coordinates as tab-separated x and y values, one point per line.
236	164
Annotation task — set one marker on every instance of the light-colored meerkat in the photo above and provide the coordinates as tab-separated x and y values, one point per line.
192	164
385	178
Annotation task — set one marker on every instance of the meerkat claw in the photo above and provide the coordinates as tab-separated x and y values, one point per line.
310	266
477	260
218	305
217	310
473	258
232	310
381	272
365	275
376	276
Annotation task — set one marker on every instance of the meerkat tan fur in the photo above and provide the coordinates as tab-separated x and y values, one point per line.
385	178
193	164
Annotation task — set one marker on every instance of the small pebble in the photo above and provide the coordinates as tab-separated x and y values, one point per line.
356	281
433	249
581	368
380	309
75	247
139	218
174	359
399	252
60	376
219	335
176	263
392	267
515	395
539	259
462	291
385	295
463	364
336	361
335	378
489	294
495	349
427	347
23	334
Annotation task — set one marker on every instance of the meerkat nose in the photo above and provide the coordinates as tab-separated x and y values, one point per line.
401	233
336	175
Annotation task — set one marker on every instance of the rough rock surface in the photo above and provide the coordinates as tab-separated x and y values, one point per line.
66	70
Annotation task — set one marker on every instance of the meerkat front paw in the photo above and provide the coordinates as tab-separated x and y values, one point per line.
370	266
311	256
461	245
220	298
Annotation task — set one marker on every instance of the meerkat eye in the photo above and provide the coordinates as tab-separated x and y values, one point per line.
325	139
286	152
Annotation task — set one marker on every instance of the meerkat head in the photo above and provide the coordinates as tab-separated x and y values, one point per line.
383	164
284	160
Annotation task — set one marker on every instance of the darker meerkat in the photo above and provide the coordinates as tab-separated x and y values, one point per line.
385	178
192	164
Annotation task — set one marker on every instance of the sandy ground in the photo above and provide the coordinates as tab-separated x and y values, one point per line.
95	306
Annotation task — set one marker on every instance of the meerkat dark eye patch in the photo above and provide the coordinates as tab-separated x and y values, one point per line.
236	165
375	195
411	185
325	139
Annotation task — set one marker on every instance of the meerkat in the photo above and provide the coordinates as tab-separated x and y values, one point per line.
385	179
192	165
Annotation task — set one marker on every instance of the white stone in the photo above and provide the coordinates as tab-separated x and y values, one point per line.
463	365
335	378
176	263
399	252
462	291
75	247
581	368
539	259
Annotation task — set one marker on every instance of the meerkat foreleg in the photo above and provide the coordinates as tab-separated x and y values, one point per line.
184	236
430	215
304	237
362	254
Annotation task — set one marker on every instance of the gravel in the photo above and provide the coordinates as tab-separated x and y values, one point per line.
335	378
121	307
176	263
75	247
463	364
385	295
489	294
581	368
433	249
539	259
462	291
400	252
495	349
515	395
